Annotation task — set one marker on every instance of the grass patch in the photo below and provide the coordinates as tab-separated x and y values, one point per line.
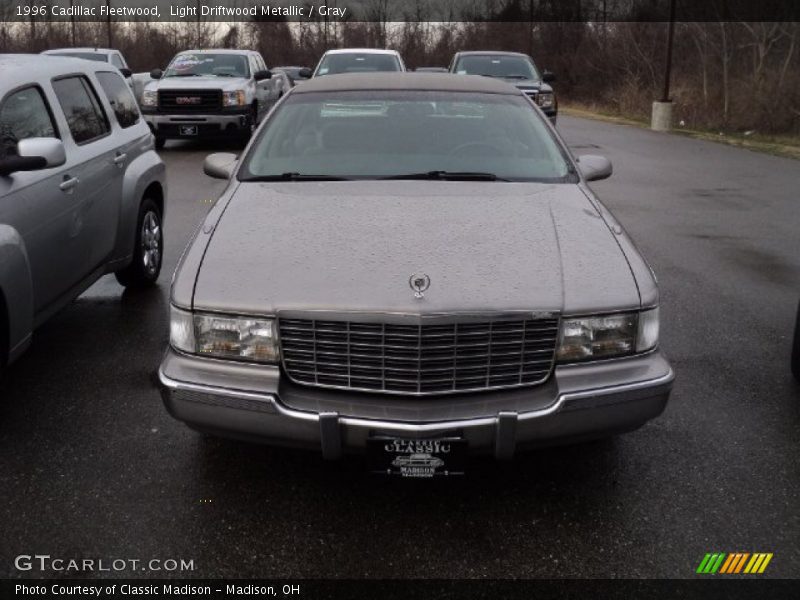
777	145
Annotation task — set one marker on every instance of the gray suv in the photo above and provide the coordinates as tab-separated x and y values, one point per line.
210	93
82	190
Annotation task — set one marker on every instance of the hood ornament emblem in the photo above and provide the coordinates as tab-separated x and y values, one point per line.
419	282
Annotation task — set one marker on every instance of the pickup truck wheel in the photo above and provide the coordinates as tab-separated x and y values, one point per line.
160	141
148	251
796	347
252	124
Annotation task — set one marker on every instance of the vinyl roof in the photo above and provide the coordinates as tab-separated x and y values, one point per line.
445	82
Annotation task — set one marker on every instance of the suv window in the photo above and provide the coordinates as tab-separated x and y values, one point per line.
120	98
85	117
24	114
117	61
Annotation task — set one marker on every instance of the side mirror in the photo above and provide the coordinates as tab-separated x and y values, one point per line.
126	72
220	165
156	73
305	73
594	167
34	154
548	77
262	75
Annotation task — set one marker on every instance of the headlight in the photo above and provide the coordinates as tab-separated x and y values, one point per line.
589	338
150	99
546	100
233	98
240	338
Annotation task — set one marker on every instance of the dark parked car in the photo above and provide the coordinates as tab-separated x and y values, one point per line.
406	258
515	68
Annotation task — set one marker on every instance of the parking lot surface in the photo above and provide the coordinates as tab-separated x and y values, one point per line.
91	464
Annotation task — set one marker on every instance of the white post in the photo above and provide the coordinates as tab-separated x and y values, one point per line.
662	116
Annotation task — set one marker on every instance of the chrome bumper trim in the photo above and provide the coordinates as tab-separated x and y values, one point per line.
274	406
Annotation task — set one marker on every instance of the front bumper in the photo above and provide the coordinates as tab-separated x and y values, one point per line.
585	401
212	125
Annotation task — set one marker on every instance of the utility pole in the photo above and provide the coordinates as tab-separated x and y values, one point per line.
661	118
668	60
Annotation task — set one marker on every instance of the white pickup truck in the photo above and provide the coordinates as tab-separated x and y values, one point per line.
211	93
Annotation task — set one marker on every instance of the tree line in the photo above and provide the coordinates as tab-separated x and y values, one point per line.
732	76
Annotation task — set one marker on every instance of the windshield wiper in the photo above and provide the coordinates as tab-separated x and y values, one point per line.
226	75
183	75
295	177
449	176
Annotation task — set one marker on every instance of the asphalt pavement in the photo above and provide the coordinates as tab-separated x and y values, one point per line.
92	466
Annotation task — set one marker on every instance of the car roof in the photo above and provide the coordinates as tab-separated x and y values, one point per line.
491	53
362	51
84	49
217	51
18	69
444	82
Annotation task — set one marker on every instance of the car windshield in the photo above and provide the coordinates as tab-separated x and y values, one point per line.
98	56
190	64
406	135
357	62
511	67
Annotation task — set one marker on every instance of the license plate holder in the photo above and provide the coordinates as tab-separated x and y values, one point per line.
423	458
187	130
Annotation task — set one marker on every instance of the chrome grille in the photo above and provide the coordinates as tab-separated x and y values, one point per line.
190	101
427	358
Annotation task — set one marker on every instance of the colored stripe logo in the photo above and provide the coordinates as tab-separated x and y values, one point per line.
734	563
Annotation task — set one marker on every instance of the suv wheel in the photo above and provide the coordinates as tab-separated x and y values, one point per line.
160	141
148	251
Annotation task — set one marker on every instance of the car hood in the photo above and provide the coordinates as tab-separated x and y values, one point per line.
352	246
197	83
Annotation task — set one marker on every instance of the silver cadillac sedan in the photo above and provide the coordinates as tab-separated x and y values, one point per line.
412	266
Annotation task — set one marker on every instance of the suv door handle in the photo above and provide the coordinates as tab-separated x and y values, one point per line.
120	158
68	184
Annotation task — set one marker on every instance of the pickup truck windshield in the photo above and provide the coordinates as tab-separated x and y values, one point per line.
406	135
511	67
206	64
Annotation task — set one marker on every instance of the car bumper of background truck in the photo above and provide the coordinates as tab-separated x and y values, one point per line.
591	400
213	125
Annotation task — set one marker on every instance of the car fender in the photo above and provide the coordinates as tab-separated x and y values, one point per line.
144	170
17	287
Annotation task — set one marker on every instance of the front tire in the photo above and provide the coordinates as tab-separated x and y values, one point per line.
148	251
160	141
